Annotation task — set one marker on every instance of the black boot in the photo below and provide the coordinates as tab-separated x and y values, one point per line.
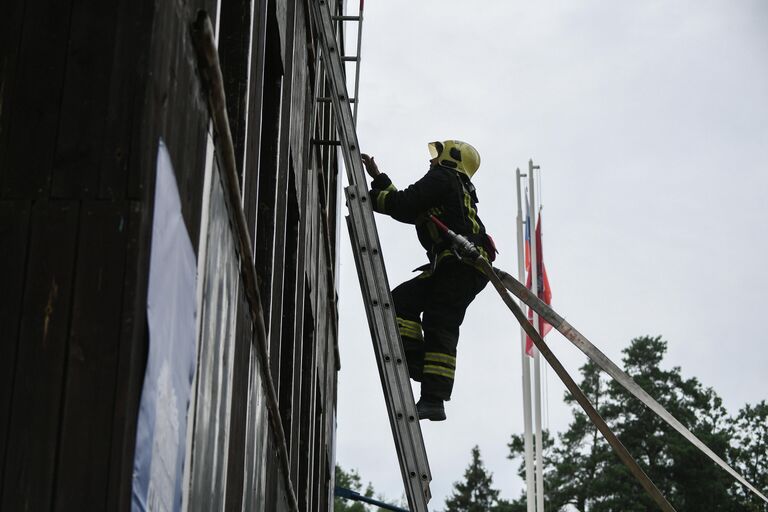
430	409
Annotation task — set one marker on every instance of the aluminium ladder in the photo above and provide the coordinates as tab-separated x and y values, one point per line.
373	278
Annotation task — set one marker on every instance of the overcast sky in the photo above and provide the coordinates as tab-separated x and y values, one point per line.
650	123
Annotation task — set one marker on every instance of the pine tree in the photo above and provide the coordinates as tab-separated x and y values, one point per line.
583	473
688	479
476	492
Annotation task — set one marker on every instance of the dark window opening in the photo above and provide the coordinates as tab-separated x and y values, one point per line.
307	363
234	46
267	195
288	327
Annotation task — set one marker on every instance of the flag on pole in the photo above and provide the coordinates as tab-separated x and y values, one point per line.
543	289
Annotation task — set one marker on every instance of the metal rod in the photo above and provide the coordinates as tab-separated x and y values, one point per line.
536	358
526	373
328	100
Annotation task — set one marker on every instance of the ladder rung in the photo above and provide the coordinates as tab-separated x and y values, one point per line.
345	18
325	142
349	59
328	100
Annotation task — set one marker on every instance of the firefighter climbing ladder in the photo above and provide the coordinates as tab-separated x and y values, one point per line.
373	277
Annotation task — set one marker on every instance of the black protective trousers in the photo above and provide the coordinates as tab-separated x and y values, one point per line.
430	308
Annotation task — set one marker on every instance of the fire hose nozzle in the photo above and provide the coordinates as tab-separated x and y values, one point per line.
460	242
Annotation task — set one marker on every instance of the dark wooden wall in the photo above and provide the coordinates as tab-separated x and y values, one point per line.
73	190
294	184
86	91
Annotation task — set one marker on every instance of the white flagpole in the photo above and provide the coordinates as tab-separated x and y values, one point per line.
528	434
536	358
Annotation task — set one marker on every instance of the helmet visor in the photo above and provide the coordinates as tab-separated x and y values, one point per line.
435	148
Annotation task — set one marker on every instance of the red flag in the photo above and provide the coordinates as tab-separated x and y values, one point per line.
544	291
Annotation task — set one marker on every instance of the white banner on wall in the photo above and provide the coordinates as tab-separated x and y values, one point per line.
162	423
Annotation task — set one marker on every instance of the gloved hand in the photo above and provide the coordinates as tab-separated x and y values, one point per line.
370	166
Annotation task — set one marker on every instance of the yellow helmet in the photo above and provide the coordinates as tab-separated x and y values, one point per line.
457	155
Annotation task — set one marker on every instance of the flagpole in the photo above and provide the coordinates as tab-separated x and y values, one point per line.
536	359
526	373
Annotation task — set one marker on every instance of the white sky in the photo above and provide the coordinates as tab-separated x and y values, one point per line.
650	123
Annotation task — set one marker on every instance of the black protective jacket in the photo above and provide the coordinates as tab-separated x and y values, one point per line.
443	192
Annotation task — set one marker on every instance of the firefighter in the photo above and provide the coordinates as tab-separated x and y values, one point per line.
431	307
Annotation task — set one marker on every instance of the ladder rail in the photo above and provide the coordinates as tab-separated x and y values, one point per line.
358	57
395	384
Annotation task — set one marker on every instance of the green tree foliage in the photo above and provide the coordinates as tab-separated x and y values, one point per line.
572	466
476	493
749	455
583	473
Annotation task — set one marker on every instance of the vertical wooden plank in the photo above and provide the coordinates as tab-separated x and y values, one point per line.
255	110
288	374
153	108
35	100
284	169
299	113
302	315
239	407
11	24
280	9
264	250
35	405
82	471
131	357
84	103
234	45
299	381
14	236
273	481
268	161
307	400
135	112
316	449
126	92
267	192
